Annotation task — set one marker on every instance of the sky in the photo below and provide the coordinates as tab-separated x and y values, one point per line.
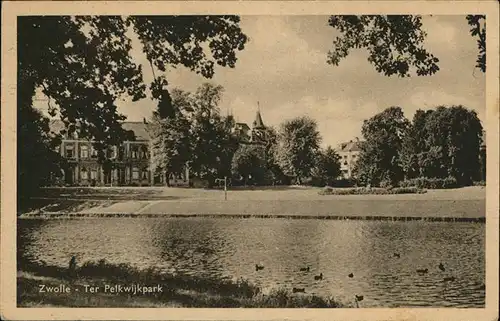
284	68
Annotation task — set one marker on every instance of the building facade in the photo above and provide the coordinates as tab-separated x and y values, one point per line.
129	163
349	154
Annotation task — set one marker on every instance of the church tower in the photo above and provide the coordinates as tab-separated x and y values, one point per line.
258	128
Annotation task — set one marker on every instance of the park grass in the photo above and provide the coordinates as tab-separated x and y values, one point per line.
178	290
305	202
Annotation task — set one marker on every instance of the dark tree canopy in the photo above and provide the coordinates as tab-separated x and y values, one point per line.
478	29
395	43
379	157
297	147
85	64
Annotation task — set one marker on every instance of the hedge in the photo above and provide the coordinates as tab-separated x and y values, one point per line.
371	191
430	183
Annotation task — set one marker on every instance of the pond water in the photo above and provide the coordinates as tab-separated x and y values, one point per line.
226	247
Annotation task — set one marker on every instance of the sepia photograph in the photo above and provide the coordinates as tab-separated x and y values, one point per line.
303	161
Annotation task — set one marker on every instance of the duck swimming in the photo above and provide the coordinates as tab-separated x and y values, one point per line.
306	269
258	267
298	290
319	277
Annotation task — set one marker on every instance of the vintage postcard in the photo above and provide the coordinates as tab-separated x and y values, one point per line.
250	160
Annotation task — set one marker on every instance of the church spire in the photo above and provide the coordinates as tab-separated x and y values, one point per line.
258	123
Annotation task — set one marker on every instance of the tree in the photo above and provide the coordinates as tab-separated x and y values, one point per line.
213	143
169	135
413	149
395	42
298	144
249	163
327	168
452	141
38	162
85	65
379	157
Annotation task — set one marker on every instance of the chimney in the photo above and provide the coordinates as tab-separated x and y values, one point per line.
144	120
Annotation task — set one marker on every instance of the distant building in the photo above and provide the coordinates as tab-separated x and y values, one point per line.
130	162
349	154
259	131
242	131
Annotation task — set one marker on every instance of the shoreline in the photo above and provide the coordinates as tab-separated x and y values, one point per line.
173	290
255	216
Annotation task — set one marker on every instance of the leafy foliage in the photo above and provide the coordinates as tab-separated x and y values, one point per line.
213	143
478	28
327	168
169	136
371	191
444	142
379	157
249	162
38	162
298	145
431	183
395	42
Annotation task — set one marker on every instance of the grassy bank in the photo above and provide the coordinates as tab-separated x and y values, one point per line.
293	202
177	290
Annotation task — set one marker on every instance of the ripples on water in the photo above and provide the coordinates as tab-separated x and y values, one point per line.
232	247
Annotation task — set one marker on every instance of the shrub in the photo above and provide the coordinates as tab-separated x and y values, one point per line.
371	191
430	183
479	183
343	182
386	184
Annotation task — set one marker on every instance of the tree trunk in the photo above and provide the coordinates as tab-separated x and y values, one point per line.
167	178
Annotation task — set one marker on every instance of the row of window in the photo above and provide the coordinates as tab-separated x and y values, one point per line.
136	174
135	152
352	156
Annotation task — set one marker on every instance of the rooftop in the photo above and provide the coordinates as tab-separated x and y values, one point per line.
350	146
137	127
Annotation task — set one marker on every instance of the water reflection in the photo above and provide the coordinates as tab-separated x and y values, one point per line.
232	247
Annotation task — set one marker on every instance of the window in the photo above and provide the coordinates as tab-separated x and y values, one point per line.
135	173
93	174
144	152
69	152
114	152
84	174
144	174
93	152
84	151
134	151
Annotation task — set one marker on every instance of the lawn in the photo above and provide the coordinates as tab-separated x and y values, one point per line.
298	202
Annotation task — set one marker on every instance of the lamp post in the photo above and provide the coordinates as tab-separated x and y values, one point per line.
225	185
